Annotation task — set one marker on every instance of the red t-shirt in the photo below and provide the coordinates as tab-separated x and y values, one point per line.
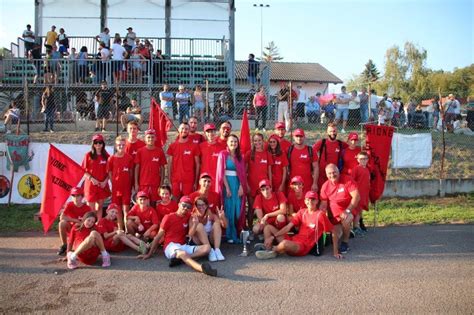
132	148
257	169
122	170
330	153
338	195
269	205
301	165
296	203
260	100
361	176
76	236
97	167
105	226
310	223
162	210
279	163
196	138
75	212
222	142
212	197
148	216
284	144
184	163
350	160
209	153
150	162
176	228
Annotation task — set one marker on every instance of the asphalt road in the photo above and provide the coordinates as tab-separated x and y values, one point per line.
416	269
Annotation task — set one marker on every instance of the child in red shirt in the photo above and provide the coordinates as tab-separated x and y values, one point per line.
361	176
166	205
295	196
142	219
279	164
270	208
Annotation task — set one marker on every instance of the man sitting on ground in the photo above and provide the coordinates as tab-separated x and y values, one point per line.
133	113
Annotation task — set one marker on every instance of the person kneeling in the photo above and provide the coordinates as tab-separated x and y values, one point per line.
312	223
173	229
142	220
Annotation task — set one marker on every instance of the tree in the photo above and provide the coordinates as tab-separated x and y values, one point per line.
370	73
271	53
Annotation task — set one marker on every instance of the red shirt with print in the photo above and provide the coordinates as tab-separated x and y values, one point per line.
184	163
338	195
176	227
150	161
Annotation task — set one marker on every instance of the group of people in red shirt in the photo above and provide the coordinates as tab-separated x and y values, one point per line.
196	194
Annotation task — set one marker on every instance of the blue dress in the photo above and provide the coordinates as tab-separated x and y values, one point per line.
232	205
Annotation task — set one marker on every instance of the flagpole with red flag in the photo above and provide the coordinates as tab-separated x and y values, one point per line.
245	134
160	122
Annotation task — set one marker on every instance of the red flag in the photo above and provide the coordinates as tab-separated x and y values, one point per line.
62	174
160	122
245	134
378	144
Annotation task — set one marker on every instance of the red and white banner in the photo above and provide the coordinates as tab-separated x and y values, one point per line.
378	144
62	174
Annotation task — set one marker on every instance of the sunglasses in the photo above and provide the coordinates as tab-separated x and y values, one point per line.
186	206
98	142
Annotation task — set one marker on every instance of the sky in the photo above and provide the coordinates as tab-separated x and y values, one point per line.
341	35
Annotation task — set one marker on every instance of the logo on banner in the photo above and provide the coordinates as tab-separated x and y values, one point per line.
4	186
29	186
17	147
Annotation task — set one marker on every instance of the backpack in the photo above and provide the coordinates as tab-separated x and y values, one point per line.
310	153
340	160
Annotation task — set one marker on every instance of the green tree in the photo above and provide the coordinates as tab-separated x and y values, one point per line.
370	73
271	53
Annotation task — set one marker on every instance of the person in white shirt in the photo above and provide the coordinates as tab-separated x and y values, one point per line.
129	39
104	37
354	110
300	103
374	101
118	55
342	108
29	38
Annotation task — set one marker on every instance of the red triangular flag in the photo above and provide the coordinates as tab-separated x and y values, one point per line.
160	122
62	174
245	134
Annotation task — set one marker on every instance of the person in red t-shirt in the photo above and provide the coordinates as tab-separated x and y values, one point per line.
120	169
361	176
224	133
312	223
303	161
194	136
173	229
213	198
279	164
72	215
269	207
329	150
339	196
133	144
86	244
165	205
349	155
280	131
96	184
115	239
142	218
295	196
183	163
149	164
210	150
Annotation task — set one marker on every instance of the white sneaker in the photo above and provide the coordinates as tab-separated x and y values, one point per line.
264	130
212	255
219	255
265	254
343	131
256	129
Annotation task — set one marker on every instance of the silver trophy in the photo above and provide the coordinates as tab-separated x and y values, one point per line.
244	236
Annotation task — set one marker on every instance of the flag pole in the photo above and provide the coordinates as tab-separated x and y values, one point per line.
12	176
171	120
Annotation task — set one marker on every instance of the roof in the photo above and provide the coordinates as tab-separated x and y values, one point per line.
292	71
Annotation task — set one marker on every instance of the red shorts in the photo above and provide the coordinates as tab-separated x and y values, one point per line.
304	246
152	191
94	193
89	257
182	189
112	246
121	198
273	221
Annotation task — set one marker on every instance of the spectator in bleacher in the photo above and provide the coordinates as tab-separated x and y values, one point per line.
133	113
183	99
55	63
411	107
354	110
198	100
166	101
150	49
36	59
158	67
103	98
11	116
83	69
72	65
253	69
104	60
137	61
82	106
118	55
300	101
342	108
260	104
396	111
283	99
104	37
374	101
313	109
63	42
129	40
51	38
364	105
145	52
29	38
48	108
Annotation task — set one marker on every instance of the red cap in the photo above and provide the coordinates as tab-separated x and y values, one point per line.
297	179
209	127
142	193
264	182
280	125
77	191
353	136
205	175
298	132
150	132
113	206
186	199
98	137
311	195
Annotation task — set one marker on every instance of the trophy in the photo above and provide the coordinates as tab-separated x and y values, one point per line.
244	236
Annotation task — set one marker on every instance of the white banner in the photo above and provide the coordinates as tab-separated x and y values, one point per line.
412	151
27	186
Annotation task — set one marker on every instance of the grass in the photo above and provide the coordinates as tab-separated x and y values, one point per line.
459	209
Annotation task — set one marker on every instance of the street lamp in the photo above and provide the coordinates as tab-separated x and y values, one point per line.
261	6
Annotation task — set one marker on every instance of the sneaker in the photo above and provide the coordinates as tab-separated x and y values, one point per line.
343	131
256	129
9	131
51	131
212	255
343	248
264	130
219	255
106	260
362	225
142	248
230	241
62	250
103	130
208	270
71	263
175	262
352	234
265	254
358	232
259	246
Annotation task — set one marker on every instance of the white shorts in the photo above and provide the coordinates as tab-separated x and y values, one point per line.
172	248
